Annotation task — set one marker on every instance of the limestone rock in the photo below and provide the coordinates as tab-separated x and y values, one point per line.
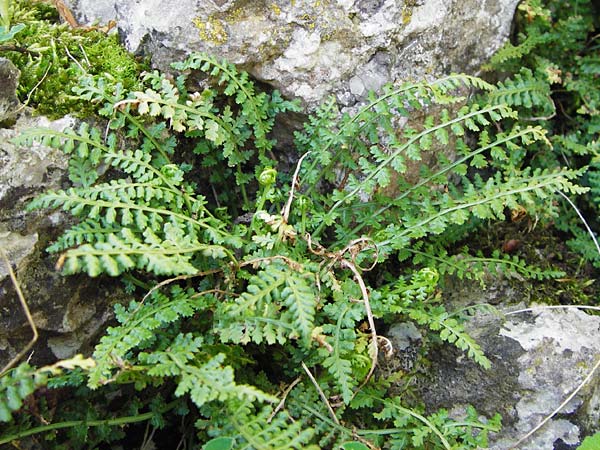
9	78
310	49
68	311
538	359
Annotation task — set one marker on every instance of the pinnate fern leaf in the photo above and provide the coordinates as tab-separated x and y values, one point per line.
525	90
139	323
204	381
278	304
262	430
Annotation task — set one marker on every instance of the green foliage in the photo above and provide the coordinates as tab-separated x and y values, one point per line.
437	428
265	430
6	34
19	383
278	276
524	90
552	76
590	442
278	305
52	57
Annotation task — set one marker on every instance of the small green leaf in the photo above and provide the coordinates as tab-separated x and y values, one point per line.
7	35
353	446
5	415
221	443
590	443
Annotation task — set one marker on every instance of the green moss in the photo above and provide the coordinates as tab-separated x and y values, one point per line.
52	57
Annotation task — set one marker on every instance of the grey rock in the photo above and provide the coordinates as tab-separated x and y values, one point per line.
24	173
9	79
403	335
538	359
68	311
310	49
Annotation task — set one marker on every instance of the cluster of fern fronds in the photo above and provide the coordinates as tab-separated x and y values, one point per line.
268	291
551	74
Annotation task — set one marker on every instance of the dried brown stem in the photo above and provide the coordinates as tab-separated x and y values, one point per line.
321	393
33	340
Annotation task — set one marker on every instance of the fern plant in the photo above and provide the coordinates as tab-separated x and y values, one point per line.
274	290
550	73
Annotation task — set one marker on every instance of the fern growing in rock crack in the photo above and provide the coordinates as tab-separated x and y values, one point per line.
550	73
286	284
153	219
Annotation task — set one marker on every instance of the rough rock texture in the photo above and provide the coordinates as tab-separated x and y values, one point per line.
312	48
9	77
68	311
538	359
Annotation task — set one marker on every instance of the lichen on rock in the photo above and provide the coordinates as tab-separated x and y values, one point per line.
310	49
538	358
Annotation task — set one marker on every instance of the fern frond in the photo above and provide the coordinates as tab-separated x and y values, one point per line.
135	226
374	174
411	299
118	109
279	304
299	297
375	122
339	362
451	331
512	141
511	53
86	142
86	231
465	266
120	253
485	200
524	89
255	107
19	383
262	430
82	172
204	381
139	325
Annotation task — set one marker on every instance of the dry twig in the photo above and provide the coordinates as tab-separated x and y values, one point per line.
321	393
283	398
288	206
33	340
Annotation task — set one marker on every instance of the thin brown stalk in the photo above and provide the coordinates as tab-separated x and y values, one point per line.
321	394
33	340
288	206
284	398
370	319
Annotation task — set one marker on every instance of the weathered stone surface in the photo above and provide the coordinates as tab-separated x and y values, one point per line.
538	359
9	78
309	48
68	311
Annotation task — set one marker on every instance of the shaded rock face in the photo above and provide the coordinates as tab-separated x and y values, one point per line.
312	48
68	311
9	77
538	359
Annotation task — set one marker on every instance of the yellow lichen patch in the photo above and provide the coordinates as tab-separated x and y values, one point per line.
211	30
275	8
235	15
407	11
